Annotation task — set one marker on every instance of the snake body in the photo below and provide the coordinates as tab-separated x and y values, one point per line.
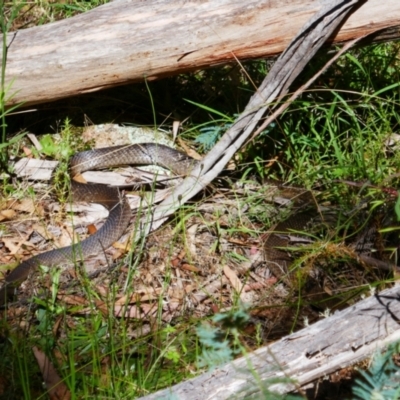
110	197
279	237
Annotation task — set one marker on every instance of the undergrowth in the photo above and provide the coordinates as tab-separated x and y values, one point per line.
6	93
61	147
341	135
382	379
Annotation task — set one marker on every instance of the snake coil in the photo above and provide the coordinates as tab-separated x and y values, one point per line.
110	197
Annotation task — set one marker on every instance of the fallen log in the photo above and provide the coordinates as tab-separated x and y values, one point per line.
330	344
127	41
312	351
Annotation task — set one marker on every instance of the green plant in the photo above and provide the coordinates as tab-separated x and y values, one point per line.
4	90
209	135
62	148
382	379
221	345
211	131
335	131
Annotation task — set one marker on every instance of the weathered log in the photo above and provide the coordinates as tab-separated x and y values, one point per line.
376	319
328	345
127	40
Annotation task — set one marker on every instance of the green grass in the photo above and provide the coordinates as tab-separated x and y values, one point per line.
335	132
21	14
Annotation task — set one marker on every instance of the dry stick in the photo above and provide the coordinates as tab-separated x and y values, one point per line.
274	87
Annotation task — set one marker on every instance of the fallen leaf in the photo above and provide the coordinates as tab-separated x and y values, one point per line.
91	229
175	262
56	387
27	151
189	151
117	254
14	246
66	237
43	231
135	311
176	293
73	300
6	215
28	205
189	267
214	308
233	279
102	290
237	241
124	246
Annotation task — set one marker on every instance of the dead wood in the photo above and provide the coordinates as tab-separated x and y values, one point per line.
330	344
127	41
276	85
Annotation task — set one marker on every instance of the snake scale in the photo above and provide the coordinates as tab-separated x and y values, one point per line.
110	197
